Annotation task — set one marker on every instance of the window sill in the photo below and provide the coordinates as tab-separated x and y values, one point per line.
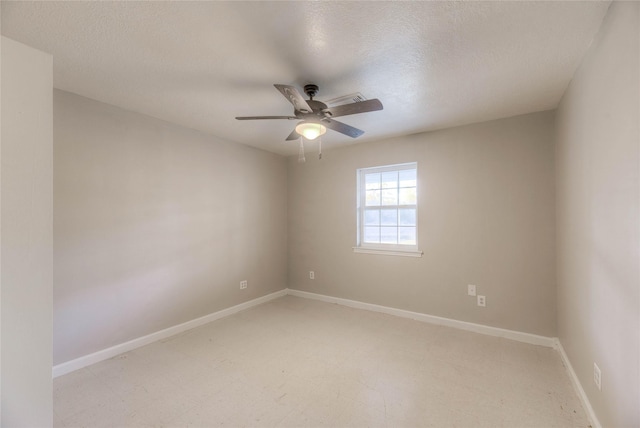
404	253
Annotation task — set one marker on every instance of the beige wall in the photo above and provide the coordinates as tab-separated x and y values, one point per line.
486	217
598	219
26	244
155	225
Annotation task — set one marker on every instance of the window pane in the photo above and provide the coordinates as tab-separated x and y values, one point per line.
373	198
372	181
408	178
372	234
389	217
390	180
390	197
389	213
407	196
407	235
407	217
372	217
389	235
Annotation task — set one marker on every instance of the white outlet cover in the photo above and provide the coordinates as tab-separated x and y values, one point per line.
597	376
312	275
482	301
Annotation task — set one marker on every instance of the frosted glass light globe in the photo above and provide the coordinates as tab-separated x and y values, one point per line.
310	131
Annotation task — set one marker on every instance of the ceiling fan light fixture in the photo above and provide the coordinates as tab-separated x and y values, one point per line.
310	130
316	116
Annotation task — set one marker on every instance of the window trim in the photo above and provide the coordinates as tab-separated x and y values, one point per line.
383	249
388	252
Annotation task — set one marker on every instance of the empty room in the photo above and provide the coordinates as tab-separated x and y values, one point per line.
320	214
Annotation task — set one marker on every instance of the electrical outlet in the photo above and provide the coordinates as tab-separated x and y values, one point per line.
243	285
471	290
312	275
482	301
597	376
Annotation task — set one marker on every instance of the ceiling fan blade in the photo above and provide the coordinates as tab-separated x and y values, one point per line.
294	97
293	136
265	117
342	128
355	108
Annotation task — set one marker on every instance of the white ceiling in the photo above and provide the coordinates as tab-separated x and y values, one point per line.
200	64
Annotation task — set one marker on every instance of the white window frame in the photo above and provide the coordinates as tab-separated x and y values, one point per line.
386	249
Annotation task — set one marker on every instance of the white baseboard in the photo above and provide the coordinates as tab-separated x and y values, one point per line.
432	319
586	404
534	339
551	342
105	354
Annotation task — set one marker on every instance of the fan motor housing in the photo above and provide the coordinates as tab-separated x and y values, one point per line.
318	108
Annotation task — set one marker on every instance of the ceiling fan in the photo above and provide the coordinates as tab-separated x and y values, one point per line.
315	116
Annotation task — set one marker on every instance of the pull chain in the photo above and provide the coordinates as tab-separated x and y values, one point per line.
301	158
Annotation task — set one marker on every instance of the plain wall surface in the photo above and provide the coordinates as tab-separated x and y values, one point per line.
486	217
598	221
156	225
26	241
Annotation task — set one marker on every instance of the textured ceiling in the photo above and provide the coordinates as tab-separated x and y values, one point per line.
200	64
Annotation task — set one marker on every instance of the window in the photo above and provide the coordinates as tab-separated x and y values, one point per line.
388	210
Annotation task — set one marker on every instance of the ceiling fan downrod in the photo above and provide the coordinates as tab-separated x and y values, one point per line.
311	90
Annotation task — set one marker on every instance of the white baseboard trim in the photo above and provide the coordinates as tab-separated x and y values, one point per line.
105	354
551	342
87	360
432	319
586	404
